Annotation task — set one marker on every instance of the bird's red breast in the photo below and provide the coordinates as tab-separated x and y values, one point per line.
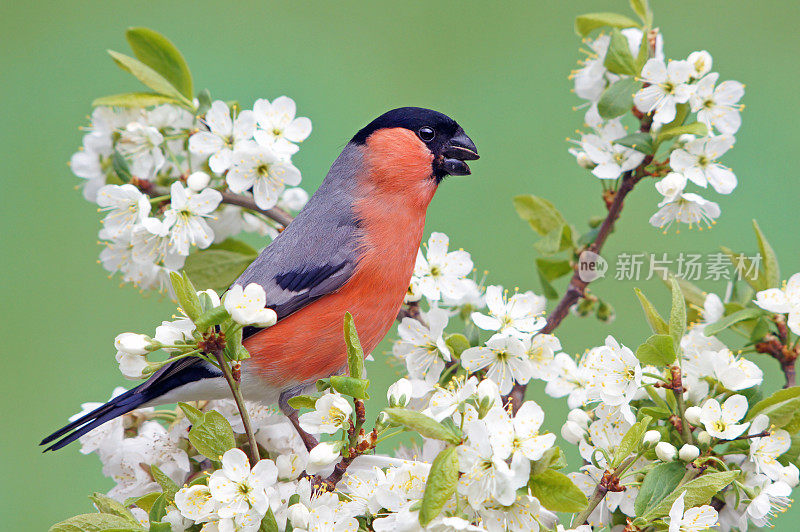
394	190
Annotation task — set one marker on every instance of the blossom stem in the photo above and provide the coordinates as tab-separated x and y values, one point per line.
237	397
686	431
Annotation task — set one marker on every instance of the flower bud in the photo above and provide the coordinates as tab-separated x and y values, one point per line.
585	307
322	456
289	466
399	393
790	475
692	415
579	416
294	198
584	161
197	181
666	451
132	343
298	515
213	297
704	438
488	396
572	432
688	453
651	437
605	312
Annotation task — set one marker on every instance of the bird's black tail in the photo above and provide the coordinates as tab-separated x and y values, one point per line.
167	378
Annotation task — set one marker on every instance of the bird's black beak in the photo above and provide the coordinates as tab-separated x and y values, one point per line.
458	149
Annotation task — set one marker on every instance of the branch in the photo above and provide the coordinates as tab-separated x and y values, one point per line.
778	348
577	287
355	450
275	213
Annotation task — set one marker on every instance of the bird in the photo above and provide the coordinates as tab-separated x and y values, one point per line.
352	248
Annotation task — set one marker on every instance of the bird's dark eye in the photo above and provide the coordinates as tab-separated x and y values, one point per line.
426	133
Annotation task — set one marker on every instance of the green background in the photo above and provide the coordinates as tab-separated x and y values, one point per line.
499	69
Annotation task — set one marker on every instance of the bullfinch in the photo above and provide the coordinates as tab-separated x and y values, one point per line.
351	249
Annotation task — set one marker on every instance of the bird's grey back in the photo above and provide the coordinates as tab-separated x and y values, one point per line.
317	253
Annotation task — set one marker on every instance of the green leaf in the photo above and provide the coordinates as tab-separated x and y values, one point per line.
134	99
268	523
557	492
542	215
553	458
782	408
424	425
772	270
631	441
120	166
657	323
753	276
95	523
185	294
641	142
203	101
677	314
642	8
303	401
168	486
585	24
350	386
157	52
657	484
698	491
107	505
148	76
217	268
194	415
617	99
457	343
212	436
556	240
441	484
235	245
552	269
355	354
159	509
643	54
658	350
160	527
691	292
732	319
619	59
695	128
145	502
214	316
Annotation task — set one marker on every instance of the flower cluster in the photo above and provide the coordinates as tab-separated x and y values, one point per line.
159	174
666	95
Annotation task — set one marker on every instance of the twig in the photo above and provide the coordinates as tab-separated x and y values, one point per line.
609	482
355	449
677	390
275	213
777	348
237	397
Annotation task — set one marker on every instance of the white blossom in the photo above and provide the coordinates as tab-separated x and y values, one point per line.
693	519
518	316
239	489
423	347
247	306
784	300
722	421
718	106
442	274
278	129
261	169
126	207
697	161
667	86
186	218
223	136
503	358
331	413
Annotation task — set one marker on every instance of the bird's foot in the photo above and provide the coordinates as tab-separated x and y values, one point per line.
308	440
